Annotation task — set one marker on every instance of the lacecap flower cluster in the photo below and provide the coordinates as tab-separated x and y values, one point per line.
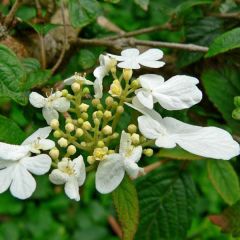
88	136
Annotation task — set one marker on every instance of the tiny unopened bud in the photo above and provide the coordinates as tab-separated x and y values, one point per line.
54	124
135	138
83	144
76	87
57	134
132	128
54	153
115	135
115	89
142	139
63	142
109	101
127	74
95	101
69	120
107	115
135	84
80	121
100	144
71	150
84	116
90	160
114	104
79	132
86	91
96	122
100	106
99	114
237	101
120	109
86	125
69	127
69	96
236	114
64	92
111	151
100	153
107	130
148	152
83	107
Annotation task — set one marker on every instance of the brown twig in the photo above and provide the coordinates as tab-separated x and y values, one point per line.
9	18
59	61
39	8
115	226
43	52
232	15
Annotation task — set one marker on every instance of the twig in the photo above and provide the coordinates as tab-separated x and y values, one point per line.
234	15
39	8
9	18
43	52
120	43
115	226
59	61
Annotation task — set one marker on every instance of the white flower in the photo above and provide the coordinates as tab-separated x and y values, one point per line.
179	92
132	59
210	142
106	63
37	141
70	173
51	105
77	78
16	174
110	171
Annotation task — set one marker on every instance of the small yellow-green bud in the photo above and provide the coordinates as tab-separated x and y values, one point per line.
100	106
132	128
142	139
100	144
109	101
115	89
95	101
63	142
64	92
115	135
107	115
84	116
86	91
107	130
99	114
114	104
83	144
148	152
69	120
71	150
86	125
114	69
79	132
80	121
83	107
90	160
54	153
96	122
57	134
69	96
135	138
69	127
236	114
76	87
120	109
54	124
135	84
100	153
111	151
127	74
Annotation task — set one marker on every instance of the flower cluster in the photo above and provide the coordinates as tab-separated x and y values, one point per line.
89	135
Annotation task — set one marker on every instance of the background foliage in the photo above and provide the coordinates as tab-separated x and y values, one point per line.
183	199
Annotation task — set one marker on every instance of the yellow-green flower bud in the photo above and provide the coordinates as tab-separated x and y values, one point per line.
96	122
63	142
71	150
135	84
86	91
99	114
95	101
135	138
86	125
83	144
79	132
83	107
148	152
100	153
76	87
54	153
57	134
84	116
127	74
120	109
69	127
107	130
80	121
69	96
115	135
107	115
132	128
115	89
100	106
69	120
111	151
142	139
100	144
64	92
54	124
114	104
90	160
236	114
109	101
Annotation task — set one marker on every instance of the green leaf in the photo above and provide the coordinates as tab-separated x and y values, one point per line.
178	154
143	4
86	58
126	203
225	180
83	12
12	75
225	42
166	197
221	86
10	131
43	29
229	220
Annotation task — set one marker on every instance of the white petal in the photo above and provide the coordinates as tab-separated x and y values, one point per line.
37	100
165	142
72	189
6	178
209	142
151	64
145	98
61	104
151	81
99	72
38	165
46	144
23	184
13	152
79	167
6	163
41	133
49	114
70	80
130	52
135	155
129	64
132	169
152	54
98	88
110	173
58	177
125	142
179	92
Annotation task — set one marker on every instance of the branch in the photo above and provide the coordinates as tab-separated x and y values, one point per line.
115	226
9	18
234	15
